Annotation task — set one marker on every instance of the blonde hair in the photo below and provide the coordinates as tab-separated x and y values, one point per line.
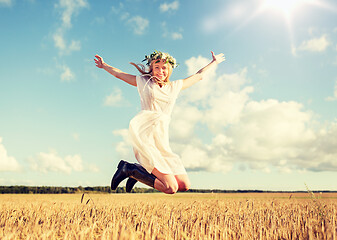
141	69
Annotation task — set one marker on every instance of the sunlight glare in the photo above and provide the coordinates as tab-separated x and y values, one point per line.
286	6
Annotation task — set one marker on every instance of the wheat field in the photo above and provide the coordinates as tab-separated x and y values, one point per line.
159	216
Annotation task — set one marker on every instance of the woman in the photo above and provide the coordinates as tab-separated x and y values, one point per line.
159	167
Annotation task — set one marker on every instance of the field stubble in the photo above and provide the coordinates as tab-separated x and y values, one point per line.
159	216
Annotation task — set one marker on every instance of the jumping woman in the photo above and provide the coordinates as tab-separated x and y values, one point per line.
158	166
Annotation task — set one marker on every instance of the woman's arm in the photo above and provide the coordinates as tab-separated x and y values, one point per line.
187	82
128	78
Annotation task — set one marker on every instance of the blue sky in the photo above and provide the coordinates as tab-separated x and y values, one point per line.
263	119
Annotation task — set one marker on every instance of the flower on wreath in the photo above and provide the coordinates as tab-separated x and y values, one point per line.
157	55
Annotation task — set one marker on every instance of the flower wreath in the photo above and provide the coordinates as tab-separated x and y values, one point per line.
157	55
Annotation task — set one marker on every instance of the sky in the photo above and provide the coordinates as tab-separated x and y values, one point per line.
263	119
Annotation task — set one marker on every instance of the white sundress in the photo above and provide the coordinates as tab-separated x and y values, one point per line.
149	129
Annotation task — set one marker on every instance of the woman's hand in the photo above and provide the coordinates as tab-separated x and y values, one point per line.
99	61
199	75
128	78
218	58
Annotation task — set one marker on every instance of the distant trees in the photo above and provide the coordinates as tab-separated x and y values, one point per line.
64	190
34	190
107	189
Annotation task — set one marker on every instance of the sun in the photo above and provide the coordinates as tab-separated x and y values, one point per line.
288	9
285	6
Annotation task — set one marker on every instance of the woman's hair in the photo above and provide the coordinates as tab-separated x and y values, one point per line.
141	68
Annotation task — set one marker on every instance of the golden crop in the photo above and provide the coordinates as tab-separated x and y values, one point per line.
159	216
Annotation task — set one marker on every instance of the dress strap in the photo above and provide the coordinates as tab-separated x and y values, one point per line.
150	78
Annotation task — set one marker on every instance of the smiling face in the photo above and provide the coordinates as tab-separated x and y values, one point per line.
161	70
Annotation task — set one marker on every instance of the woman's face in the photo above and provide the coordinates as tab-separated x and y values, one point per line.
160	70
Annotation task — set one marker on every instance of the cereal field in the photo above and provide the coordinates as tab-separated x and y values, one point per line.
159	216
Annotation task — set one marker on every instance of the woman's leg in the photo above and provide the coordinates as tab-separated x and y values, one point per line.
166	183
125	170
183	182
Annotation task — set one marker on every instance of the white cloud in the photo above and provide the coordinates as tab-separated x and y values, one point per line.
124	16
176	36
269	131
195	157
186	118
61	43
6	3
258	134
169	6
67	8
321	154
195	63
51	162
114	99
59	40
93	168
138	24
198	155
117	9
67	75
172	35
7	163
123	148
315	44
75	46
